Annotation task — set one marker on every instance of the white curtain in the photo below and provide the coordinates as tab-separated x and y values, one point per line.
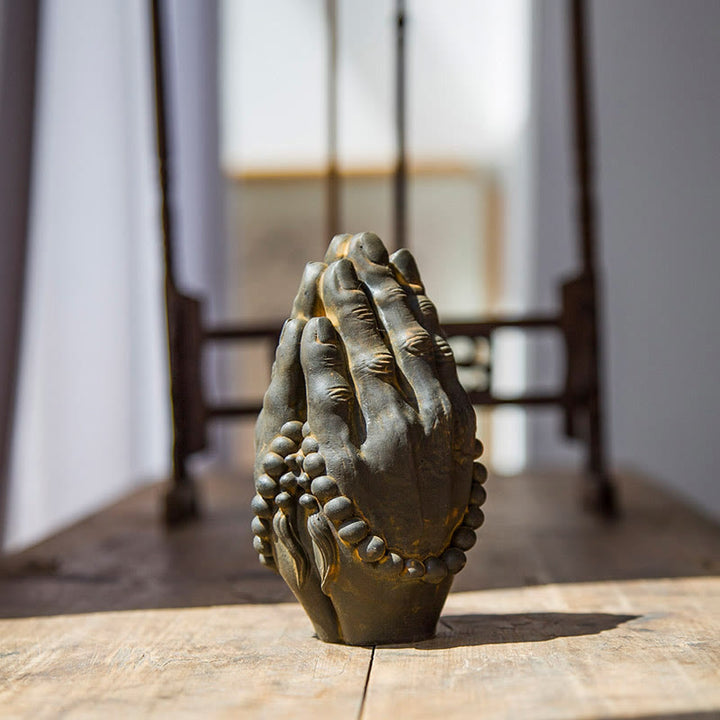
93	418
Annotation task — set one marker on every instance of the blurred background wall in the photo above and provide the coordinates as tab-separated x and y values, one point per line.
91	418
18	61
467	87
657	88
488	119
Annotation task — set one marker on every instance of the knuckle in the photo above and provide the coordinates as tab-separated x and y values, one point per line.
320	358
379	364
388	293
329	360
339	394
443	351
362	313
426	306
416	342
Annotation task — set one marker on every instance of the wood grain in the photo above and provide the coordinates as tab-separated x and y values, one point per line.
595	650
557	615
227	662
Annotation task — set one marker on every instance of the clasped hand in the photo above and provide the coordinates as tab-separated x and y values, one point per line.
366	440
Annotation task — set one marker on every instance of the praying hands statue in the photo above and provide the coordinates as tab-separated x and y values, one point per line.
367	493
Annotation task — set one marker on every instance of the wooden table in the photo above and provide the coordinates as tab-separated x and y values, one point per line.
558	615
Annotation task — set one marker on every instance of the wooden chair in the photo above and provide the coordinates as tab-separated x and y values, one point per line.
577	320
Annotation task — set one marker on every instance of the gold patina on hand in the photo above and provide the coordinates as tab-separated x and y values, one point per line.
367	493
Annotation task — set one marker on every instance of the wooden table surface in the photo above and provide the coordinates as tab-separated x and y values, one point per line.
558	615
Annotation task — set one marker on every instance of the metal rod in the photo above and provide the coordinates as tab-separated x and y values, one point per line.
162	144
333	185
181	502
400	205
584	164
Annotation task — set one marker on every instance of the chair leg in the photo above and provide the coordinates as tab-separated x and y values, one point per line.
181	499
188	406
600	496
600	492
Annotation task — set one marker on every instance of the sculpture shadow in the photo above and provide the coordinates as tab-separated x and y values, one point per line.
475	629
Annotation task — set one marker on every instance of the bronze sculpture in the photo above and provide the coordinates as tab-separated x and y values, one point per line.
367	493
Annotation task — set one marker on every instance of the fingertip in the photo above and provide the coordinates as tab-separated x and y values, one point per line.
338	247
315	267
325	331
339	277
345	275
310	331
307	299
321	330
371	246
289	340
405	264
291	328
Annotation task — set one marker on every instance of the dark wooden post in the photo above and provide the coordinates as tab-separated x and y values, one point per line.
183	321
601	489
400	205
333	188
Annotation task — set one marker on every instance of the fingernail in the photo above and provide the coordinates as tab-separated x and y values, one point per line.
373	248
346	276
325	330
